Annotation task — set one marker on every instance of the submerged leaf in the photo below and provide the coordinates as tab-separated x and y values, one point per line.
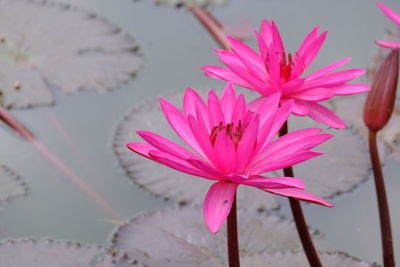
163	181
47	45
11	185
180	236
188	3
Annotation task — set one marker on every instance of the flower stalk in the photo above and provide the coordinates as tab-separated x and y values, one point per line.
232	237
377	112
299	219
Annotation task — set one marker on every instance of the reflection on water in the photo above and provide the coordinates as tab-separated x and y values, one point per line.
174	46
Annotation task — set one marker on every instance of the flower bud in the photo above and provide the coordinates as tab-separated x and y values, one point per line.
379	105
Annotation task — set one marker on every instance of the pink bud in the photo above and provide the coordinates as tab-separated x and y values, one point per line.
379	105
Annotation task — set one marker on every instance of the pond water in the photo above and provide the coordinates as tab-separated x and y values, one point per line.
79	128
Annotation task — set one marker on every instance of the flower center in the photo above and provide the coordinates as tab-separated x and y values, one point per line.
233	131
285	66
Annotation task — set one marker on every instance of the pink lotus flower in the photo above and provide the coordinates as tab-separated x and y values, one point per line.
274	71
232	146
396	18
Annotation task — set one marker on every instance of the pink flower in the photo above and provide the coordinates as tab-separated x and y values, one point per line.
396	18
232	146
273	71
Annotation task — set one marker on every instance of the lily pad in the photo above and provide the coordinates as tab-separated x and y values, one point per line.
46	46
11	185
188	3
47	253
298	259
351	110
180	236
345	165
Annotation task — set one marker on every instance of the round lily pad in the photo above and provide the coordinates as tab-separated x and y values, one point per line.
47	253
298	259
344	166
183	238
178	237
11	185
46	45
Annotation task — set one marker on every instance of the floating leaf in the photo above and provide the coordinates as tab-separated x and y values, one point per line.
180	236
351	110
298	259
47	45
11	185
345	164
339	173
47	253
161	180
188	3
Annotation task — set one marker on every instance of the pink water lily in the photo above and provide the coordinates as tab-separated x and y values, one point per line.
232	146
396	19
273	71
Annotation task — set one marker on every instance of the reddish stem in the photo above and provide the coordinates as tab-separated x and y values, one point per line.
15	125
212	25
384	216
299	218
232	237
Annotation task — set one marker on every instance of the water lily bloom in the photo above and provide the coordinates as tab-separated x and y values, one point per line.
396	19
232	146
273	71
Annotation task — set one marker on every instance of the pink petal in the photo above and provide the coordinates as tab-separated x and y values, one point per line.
327	69
266	32
227	101
349	89
141	148
249	57
179	123
281	117
218	203
215	113
277	40
299	194
190	101
299	109
165	145
324	115
314	94
205	167
247	143
225	155
390	13
388	44
178	164
226	75
310	38
202	137
334	79
313	49
274	183
264	165
267	109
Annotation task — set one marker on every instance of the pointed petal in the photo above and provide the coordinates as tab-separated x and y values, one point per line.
390	13
225	154
388	44
350	89
218	203
247	144
215	113
165	145
228	100
313	94
274	183
324	115
334	79
313	49
299	194
141	148
308	40
327	69
299	109
190	101
226	75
